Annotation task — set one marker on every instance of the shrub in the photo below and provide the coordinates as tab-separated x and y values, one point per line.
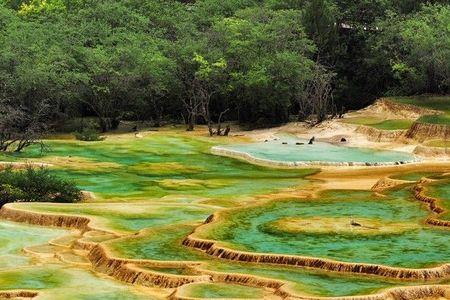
88	134
36	185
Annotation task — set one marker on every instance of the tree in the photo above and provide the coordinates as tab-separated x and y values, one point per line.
207	82
317	98
267	54
416	50
21	126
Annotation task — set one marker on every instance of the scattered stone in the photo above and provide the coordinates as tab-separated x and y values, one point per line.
353	223
343	140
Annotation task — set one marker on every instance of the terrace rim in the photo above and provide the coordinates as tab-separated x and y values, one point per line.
220	151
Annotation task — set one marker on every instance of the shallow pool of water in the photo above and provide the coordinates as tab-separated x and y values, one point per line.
54	281
415	246
285	149
157	166
222	290
15	236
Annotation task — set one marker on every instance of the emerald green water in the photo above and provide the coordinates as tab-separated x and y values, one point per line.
165	244
441	190
19	271
291	152
144	168
310	282
418	247
58	282
221	290
413	176
130	217
162	244
164	185
15	236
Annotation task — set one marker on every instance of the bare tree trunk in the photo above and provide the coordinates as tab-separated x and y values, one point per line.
190	121
219	121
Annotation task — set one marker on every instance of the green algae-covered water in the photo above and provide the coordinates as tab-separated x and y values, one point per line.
55	281
285	149
165	244
160	165
15	236
162	244
221	290
414	246
311	282
130	217
158	189
441	190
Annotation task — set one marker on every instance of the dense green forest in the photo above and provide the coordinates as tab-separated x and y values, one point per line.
257	62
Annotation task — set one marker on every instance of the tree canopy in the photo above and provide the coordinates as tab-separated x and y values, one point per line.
192	60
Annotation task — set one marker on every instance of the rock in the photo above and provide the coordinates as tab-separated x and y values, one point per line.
353	223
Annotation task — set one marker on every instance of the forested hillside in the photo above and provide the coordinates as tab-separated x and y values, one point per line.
254	61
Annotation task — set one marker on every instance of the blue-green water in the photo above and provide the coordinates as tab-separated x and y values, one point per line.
161	165
419	246
15	236
275	150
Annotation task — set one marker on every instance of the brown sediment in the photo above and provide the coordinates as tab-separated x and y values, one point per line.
17	294
381	171
437	222
419	194
378	135
419	191
22	165
396	110
213	248
131	271
121	269
128	271
365	178
387	183
14	214
425	131
399	293
433	152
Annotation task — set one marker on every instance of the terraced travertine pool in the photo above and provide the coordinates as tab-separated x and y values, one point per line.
286	148
441	190
163	165
149	194
28	272
390	232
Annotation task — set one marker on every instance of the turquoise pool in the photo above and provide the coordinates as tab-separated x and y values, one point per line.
292	149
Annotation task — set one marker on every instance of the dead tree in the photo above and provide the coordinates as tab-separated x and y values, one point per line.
219	122
22	126
317	98
319	91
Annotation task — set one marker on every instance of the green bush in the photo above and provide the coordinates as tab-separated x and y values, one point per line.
88	134
35	185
